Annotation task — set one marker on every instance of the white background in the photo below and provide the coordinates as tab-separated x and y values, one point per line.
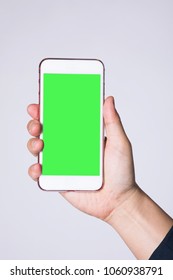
134	39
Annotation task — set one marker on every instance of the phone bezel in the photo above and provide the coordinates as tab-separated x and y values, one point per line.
78	66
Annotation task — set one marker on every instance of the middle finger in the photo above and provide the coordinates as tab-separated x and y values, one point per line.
34	127
35	146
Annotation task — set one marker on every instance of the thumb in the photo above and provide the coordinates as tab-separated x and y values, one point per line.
114	128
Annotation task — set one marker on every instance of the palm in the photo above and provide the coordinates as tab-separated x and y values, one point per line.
118	177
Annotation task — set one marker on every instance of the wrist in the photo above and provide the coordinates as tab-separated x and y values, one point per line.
126	201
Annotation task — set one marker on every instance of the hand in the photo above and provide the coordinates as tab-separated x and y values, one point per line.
119	178
140	222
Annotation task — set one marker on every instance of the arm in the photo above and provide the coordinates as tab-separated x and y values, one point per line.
140	222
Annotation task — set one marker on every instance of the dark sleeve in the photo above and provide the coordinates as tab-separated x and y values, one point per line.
165	249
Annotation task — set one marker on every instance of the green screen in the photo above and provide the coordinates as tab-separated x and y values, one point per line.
71	124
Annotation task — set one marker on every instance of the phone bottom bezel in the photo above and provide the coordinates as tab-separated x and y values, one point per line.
60	183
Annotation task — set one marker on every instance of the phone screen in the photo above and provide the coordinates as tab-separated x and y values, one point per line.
71	124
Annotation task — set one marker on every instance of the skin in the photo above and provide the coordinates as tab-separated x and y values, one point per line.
120	202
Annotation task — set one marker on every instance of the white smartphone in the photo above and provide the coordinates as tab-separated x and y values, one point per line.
71	96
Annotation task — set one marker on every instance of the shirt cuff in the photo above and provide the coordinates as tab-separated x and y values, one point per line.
165	249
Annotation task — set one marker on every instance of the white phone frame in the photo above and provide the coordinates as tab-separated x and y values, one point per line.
68	66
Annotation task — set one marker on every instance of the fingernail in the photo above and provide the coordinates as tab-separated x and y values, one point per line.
34	168
30	128
34	143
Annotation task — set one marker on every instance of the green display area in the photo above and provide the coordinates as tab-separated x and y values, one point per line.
71	124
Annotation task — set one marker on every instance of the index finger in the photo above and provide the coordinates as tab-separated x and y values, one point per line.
34	111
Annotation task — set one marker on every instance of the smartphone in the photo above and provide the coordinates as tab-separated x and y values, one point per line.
71	96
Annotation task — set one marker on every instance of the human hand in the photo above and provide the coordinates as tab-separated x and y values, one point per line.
118	178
